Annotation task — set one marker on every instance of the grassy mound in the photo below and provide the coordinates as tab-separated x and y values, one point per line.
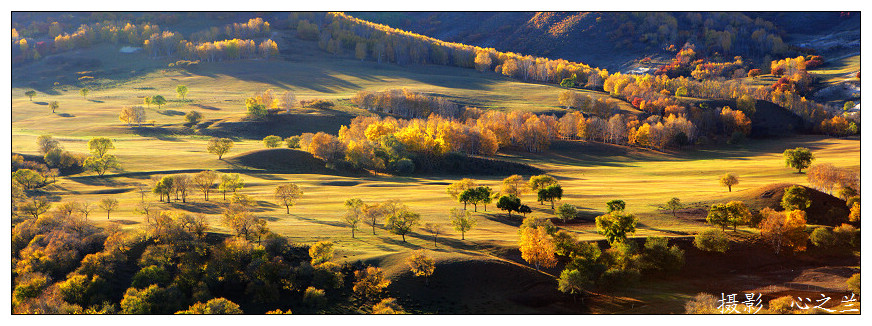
281	160
825	209
283	125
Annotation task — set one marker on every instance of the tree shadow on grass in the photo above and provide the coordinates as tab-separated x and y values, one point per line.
171	112
66	115
40	103
96	101
199	207
101	181
400	242
514	221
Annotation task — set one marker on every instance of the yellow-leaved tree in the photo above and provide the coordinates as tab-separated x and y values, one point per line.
537	247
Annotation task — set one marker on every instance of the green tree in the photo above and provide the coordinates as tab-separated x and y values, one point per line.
615	205
288	195
108	205
53	105
729	180
192	118
29	179
616	225
101	164
402	221
256	110
539	182
219	146
567	212
795	197
822	237
230	183
158	100
673	205
550	193
484	196
182	90
31	93
854	283
100	145
656	257
147	101
462	221
84	92
848	105
798	158
272	141
509	203
732	213
712	240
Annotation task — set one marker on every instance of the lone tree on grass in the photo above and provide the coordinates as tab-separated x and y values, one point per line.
84	92
353	213
182	90
421	265
615	205
729	180
673	205
100	145
401	221
798	158
462	221
509	203
272	141
53	105
31	93
219	146
567	212
550	193
288	195
158	100
100	161
192	118
434	229
108	205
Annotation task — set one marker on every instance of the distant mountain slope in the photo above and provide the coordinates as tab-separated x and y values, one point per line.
610	40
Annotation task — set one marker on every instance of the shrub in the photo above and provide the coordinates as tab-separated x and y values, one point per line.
314	297
293	142
320	104
782	305
702	303
614	278
272	141
854	283
846	236
822	237
712	240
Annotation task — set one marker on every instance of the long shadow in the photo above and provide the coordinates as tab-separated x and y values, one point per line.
171	112
205	107
66	115
197	207
514	221
40	103
96	101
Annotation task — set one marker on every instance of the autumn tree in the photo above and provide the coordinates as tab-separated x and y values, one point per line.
513	186
101	164
616	225
354	213
673	205
732	213
242	222
181	185
729	180
219	146
108	205
100	145
462	221
455	189
369	283
550	193
537	247
287	195
321	252
795	197
132	115
204	180
712	240
215	306
372	214
798	158
784	229
53	105
567	212
182	91
421	265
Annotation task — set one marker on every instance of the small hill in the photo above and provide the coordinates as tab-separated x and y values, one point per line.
283	125
824	210
282	160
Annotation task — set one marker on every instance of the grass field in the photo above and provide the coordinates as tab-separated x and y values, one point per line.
590	173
